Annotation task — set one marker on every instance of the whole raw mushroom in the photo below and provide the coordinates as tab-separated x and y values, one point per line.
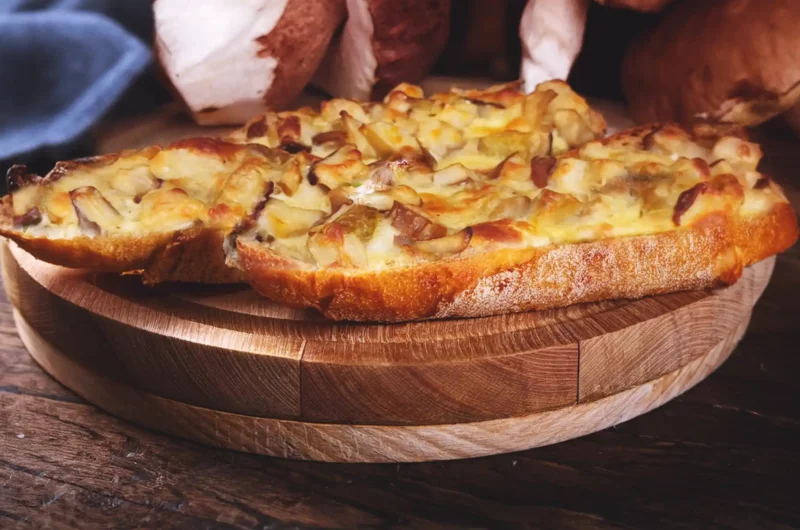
734	61
384	43
229	60
552	33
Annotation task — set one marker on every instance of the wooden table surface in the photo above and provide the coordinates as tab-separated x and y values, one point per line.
724	455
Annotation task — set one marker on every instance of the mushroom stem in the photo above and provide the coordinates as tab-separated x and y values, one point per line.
552	35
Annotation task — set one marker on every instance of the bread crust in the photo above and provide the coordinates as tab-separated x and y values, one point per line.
709	253
193	255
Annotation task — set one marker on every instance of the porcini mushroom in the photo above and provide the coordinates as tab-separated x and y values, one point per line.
730	61
382	44
231	60
552	34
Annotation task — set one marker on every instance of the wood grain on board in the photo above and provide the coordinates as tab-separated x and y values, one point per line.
369	443
288	383
620	359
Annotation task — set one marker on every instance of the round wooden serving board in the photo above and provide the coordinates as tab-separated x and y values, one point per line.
223	366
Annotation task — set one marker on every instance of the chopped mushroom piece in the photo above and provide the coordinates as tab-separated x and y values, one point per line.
447	245
383	43
95	213
231	60
413	224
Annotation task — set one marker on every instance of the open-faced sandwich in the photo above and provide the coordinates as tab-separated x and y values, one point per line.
468	203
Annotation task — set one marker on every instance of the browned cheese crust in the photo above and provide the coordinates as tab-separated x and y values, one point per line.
216	184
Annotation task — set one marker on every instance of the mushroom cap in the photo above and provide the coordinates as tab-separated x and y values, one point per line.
384	43
230	60
551	32
734	61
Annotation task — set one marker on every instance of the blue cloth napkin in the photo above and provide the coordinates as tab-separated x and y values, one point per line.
63	65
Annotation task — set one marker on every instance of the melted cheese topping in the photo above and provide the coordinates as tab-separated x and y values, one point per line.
410	180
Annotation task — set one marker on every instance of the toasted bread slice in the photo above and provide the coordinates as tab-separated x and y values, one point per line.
647	211
159	212
164	212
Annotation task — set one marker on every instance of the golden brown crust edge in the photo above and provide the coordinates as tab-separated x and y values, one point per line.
709	253
196	255
766	236
191	256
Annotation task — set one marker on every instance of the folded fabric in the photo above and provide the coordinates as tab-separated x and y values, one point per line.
64	64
